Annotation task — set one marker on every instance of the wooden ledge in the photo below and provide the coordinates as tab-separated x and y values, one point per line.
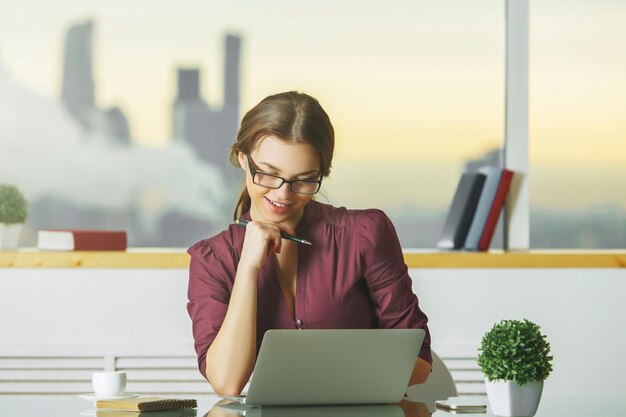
133	258
527	259
178	259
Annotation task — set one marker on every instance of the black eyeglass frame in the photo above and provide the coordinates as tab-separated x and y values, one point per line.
254	171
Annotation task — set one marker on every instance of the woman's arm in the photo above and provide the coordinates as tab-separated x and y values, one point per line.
421	372
390	285
231	357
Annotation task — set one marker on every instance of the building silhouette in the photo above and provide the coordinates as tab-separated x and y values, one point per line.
117	125
192	118
78	92
77	85
211	132
229	115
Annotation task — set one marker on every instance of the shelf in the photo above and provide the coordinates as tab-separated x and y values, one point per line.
178	259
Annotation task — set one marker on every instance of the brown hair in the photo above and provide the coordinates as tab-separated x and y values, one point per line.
291	116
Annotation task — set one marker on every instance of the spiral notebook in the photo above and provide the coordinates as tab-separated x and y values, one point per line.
146	404
180	412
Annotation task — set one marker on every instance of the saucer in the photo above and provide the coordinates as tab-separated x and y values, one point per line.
93	397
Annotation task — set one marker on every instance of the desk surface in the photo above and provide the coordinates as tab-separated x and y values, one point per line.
71	405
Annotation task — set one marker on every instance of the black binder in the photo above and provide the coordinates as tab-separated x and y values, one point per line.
462	211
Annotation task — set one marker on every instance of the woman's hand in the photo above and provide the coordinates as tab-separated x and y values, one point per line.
262	239
414	409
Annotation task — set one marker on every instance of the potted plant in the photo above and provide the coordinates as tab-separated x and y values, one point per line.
515	359
13	212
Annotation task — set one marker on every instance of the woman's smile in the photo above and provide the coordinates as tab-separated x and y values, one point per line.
277	207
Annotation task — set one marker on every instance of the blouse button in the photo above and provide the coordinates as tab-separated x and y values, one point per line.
299	322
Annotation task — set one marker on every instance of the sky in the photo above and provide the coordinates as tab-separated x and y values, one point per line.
414	88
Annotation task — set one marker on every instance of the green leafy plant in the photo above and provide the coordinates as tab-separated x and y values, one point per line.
13	205
516	351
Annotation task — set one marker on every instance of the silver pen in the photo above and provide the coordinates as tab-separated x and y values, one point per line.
283	234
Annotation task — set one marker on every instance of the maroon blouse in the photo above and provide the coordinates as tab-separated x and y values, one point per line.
353	276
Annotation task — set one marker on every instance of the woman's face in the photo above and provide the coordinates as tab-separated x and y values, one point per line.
272	155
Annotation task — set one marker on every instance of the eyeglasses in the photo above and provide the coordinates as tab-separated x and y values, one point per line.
263	179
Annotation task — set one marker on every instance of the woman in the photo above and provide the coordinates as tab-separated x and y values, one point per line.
245	281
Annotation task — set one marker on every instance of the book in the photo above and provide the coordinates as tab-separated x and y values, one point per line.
81	239
496	208
146	404
493	178
461	211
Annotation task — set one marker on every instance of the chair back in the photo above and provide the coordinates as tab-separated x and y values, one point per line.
438	386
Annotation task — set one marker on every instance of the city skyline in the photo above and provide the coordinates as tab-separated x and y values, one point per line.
148	203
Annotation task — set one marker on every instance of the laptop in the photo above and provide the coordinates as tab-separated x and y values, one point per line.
339	366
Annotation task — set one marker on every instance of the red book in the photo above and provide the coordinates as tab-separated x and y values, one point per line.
496	208
80	239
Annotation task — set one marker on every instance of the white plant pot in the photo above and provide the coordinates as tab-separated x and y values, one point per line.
9	235
506	398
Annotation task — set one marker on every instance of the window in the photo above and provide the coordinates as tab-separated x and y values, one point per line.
121	122
577	126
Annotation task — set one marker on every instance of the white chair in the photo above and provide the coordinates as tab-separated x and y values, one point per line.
438	386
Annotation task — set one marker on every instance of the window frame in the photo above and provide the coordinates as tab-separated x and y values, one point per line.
517	208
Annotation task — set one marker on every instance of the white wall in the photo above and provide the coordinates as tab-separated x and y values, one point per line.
581	311
117	312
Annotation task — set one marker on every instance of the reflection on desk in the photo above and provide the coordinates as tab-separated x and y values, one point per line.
73	406
405	408
236	410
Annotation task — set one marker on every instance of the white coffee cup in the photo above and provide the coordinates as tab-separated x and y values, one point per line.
109	384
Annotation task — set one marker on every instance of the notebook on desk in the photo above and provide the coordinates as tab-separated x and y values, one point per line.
306	367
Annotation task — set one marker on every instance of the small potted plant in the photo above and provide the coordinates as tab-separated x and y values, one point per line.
515	359
13	212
